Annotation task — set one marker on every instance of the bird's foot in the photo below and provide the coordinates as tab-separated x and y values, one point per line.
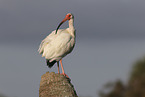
65	75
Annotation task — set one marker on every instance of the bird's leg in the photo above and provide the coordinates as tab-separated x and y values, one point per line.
58	67
63	69
62	66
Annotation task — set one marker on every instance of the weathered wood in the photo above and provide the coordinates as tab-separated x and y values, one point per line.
56	85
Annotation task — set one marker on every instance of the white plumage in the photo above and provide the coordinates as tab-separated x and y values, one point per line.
59	43
56	46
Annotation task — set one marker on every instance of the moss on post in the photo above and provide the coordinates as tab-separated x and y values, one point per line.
56	85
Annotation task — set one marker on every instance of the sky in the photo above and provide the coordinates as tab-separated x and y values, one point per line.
110	37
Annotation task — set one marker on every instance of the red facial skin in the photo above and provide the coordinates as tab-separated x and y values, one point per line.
67	17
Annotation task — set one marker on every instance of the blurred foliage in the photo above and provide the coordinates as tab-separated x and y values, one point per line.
135	86
116	89
1	95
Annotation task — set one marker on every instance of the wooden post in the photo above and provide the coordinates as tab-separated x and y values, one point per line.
56	85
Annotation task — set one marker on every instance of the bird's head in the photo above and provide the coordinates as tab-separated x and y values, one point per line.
67	17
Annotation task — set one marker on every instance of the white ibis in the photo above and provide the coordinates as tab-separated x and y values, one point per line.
59	43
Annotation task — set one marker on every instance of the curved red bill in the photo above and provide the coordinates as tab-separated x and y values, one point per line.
65	19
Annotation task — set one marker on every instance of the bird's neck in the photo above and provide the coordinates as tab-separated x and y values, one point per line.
71	27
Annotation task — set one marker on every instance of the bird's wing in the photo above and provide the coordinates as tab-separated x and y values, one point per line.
59	47
45	41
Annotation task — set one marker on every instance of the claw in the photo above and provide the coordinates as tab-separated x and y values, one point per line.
65	75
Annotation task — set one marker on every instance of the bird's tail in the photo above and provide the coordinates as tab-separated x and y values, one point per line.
50	64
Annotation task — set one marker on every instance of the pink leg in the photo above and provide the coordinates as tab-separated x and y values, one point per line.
63	69
58	67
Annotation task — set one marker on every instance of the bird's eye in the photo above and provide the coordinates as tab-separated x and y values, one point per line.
69	15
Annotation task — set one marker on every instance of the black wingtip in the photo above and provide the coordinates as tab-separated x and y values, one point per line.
50	64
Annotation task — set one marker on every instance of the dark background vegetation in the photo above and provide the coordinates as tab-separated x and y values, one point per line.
135	86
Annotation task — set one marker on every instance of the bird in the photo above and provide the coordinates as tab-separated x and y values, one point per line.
59	43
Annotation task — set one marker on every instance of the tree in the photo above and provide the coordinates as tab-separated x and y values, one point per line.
135	86
1	95
117	89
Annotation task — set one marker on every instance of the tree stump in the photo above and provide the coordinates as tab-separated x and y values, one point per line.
56	85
